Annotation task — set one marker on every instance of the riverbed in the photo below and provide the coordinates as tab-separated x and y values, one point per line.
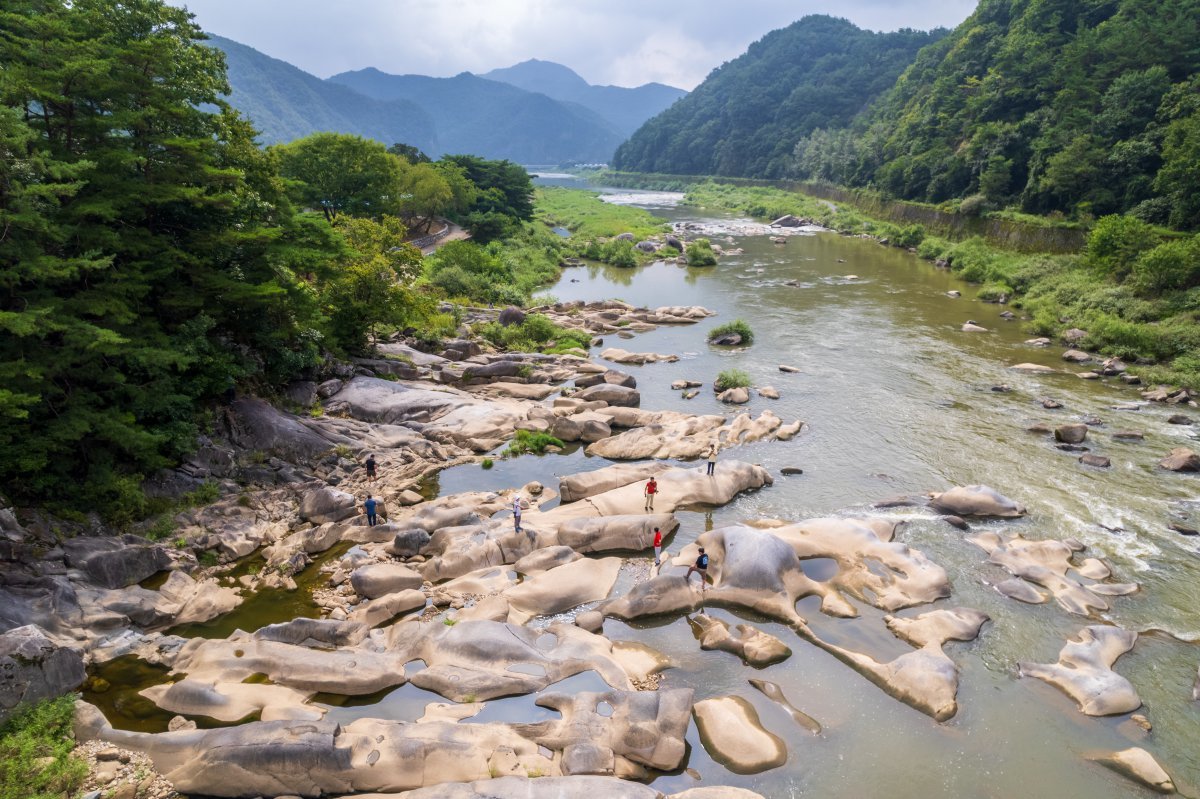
899	400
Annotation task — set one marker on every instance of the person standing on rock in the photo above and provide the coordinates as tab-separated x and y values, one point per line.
371	467
651	490
700	567
370	505
712	459
517	514
657	547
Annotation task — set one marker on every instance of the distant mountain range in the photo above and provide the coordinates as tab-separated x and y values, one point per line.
534	112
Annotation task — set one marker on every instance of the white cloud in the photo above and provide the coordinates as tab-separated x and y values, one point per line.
626	42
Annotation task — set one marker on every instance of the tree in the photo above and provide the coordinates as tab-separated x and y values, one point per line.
372	288
339	173
409	153
503	198
141	265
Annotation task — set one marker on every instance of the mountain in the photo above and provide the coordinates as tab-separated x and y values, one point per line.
286	103
1086	108
625	109
494	119
747	115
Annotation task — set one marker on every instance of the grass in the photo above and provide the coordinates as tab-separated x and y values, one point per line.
731	378
736	326
701	253
35	752
488	463
536	334
595	224
528	441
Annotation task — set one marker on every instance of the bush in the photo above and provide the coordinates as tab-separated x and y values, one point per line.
528	441
731	378
736	326
536	334
700	253
1116	242
994	292
911	236
35	752
1168	267
974	205
488	463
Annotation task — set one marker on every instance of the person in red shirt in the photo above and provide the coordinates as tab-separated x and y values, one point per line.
651	490
657	547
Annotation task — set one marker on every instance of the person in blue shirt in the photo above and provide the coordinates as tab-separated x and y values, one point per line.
370	505
700	567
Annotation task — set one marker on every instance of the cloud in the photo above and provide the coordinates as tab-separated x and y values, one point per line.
625	42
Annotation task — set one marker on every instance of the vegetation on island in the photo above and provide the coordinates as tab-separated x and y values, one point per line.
700	253
731	378
596	225
527	441
737	326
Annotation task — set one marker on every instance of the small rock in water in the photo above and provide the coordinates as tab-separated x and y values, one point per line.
1128	435
1038	342
1093	421
956	522
1076	356
1071	433
1099	461
1039	427
1141	721
1088	376
1003	388
1072	448
1179	418
789	369
769	392
972	327
954	294
791	470
1183	529
1009	315
690	394
1051	404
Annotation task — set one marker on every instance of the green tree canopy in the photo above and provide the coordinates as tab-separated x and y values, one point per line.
339	173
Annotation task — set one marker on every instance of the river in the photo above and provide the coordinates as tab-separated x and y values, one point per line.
899	400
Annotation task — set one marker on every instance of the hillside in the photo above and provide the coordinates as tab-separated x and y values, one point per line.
493	119
625	109
1085	108
747	116
286	103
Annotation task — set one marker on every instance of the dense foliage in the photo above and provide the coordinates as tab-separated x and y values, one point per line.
1053	105
737	326
595	226
35	752
731	378
153	257
746	117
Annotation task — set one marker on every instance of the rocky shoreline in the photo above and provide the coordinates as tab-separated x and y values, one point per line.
449	595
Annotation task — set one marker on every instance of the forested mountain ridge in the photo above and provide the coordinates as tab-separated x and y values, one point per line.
623	108
746	117
287	103
475	115
1054	105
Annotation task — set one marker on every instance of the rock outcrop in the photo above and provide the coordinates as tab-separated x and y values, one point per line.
732	733
1084	671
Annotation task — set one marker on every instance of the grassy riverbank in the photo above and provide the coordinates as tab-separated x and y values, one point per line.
1135	292
594	225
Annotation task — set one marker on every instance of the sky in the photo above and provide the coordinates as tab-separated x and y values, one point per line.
619	42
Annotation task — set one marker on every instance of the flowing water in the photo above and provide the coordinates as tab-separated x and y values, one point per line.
899	400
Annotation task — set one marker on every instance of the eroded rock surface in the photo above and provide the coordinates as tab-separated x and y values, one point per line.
732	733
1084	671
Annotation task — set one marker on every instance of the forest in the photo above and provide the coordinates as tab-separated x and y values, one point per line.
154	258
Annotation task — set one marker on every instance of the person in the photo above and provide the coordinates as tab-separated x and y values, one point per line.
651	490
712	459
371	467
517	514
370	505
701	567
657	547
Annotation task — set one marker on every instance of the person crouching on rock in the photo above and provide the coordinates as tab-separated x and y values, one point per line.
700	567
370	464
657	547
517	514
369	506
651	490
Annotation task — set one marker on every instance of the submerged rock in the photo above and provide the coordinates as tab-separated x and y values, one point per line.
1140	766
757	648
976	500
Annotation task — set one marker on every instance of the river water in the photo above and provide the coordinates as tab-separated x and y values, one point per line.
899	400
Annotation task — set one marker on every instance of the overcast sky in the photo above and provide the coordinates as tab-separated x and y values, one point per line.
622	42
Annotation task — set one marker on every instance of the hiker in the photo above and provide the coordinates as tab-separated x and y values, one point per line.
657	547
712	459
701	567
370	505
370	464
651	490
517	514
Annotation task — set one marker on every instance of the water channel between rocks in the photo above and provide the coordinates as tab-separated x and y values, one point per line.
899	400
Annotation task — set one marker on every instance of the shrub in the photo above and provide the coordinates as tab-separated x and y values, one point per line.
974	205
736	326
528	441
731	378
35	752
1116	242
1170	266
994	292
911	236
206	493
700	253
488	463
